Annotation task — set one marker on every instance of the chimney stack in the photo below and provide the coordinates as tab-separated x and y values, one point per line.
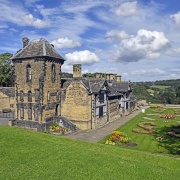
98	75
118	78
76	70
25	41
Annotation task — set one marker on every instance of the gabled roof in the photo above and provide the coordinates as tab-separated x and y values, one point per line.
116	88
96	85
9	91
92	85
37	48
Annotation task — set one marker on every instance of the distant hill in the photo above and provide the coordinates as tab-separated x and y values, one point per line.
164	91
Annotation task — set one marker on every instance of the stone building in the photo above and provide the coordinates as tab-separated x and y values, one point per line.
92	102
41	95
37	83
7	104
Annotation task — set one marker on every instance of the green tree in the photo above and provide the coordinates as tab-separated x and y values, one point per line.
6	70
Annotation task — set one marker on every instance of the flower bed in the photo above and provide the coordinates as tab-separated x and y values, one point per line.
58	130
167	116
149	130
117	138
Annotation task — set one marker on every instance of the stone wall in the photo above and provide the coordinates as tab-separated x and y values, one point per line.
114	111
6	102
77	105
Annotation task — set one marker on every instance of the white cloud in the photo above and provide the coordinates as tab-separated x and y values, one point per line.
127	9
176	17
82	57
31	21
116	35
145	45
65	43
16	14
148	72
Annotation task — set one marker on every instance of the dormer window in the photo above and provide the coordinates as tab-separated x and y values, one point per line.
53	73
101	97
28	73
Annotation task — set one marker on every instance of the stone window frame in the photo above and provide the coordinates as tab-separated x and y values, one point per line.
21	96
53	73
28	73
58	96
29	112
36	114
22	112
48	96
29	96
37	95
11	105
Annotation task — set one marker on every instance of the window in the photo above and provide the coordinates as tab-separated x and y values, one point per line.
21	96
22	112
28	73
11	105
37	95
48	96
57	96
30	113
53	73
36	114
29	96
100	111
101	97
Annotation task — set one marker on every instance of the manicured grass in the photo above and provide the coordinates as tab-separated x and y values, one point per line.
30	155
148	142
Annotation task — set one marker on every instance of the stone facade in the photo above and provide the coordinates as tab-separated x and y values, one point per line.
7	99
37	82
41	95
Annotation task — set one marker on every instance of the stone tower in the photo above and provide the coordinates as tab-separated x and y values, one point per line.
37	83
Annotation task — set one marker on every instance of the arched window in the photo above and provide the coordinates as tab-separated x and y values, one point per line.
53	73
21	96
29	96
28	73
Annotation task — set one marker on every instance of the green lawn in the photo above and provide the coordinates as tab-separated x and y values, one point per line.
30	155
148	142
161	87
150	91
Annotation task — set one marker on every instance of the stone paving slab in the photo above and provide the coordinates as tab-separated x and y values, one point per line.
95	135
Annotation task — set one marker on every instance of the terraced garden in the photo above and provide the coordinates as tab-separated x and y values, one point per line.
157	130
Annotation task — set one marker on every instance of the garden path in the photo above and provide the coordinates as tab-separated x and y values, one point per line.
95	135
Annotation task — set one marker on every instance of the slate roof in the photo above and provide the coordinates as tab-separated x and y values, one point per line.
92	85
37	48
116	88
9	91
95	85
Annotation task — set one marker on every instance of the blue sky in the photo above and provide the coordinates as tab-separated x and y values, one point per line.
139	40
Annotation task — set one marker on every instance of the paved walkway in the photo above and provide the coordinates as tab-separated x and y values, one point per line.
95	135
